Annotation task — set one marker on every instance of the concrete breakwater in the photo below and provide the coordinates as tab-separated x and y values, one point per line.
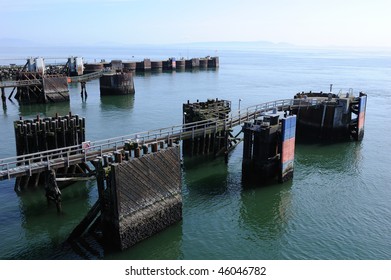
36	82
77	66
147	64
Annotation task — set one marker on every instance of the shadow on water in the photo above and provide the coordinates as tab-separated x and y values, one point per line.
117	102
43	229
339	157
45	110
265	209
205	175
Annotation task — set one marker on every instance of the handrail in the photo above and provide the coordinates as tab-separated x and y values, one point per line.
176	132
31	82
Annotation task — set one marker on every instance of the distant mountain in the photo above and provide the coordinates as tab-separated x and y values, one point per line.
14	42
239	45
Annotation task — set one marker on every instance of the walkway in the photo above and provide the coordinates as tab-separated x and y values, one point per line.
37	162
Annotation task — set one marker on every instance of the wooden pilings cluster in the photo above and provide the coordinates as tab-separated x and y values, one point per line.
139	195
268	150
43	134
336	117
213	141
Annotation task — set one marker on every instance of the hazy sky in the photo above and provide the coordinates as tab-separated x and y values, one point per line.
359	23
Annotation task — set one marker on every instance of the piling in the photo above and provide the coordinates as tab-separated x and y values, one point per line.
144	65
203	63
117	84
180	64
140	197
169	64
268	148
192	63
156	65
3	97
213	62
129	66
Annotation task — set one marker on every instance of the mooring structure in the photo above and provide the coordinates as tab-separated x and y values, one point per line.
139	175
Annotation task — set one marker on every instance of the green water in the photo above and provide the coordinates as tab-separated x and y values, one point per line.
336	207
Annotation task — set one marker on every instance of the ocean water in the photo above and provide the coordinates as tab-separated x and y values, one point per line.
336	207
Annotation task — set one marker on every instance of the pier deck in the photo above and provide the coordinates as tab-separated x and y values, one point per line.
37	162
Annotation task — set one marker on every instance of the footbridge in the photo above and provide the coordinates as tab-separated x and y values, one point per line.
29	164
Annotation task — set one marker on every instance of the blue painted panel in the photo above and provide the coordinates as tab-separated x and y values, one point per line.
363	103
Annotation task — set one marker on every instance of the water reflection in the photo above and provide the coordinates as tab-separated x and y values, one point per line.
46	110
207	175
265	211
117	102
43	227
338	158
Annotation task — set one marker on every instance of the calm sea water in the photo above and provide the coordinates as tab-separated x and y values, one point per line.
336	207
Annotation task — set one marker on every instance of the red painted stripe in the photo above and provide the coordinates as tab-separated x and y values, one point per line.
288	150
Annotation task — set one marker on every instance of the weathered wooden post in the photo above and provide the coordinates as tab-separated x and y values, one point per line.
83	92
3	98
52	190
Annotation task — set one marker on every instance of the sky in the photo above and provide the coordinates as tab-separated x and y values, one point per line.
353	23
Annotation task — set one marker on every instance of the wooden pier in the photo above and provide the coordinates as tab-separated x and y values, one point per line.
37	83
28	164
139	175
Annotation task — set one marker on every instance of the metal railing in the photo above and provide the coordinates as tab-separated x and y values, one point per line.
35	162
20	83
89	76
